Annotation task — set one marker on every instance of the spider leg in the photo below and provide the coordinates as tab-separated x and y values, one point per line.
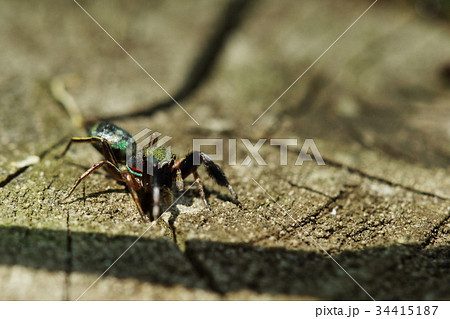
111	168
156	211
199	183
105	148
150	194
133	186
187	167
179	180
90	140
215	172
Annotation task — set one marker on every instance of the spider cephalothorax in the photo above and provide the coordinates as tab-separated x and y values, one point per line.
149	173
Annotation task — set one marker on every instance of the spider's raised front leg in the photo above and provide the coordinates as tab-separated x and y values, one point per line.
110	162
111	167
190	164
118	171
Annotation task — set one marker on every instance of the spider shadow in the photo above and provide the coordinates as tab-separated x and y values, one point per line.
222	196
95	195
188	200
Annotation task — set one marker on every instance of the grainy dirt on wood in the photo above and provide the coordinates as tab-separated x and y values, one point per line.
376	105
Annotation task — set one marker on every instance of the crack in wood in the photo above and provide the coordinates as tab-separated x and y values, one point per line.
12	176
69	258
21	170
203	272
309	189
381	180
431	238
201	68
363	174
343	193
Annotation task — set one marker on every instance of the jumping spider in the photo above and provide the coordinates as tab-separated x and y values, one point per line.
146	189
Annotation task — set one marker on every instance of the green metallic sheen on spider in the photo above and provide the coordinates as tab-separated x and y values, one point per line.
117	138
148	173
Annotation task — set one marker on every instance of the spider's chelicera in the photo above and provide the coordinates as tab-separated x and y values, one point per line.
149	173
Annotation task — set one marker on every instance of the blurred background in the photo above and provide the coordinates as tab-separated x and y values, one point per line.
377	105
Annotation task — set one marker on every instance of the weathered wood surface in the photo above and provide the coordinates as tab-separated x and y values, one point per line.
376	104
